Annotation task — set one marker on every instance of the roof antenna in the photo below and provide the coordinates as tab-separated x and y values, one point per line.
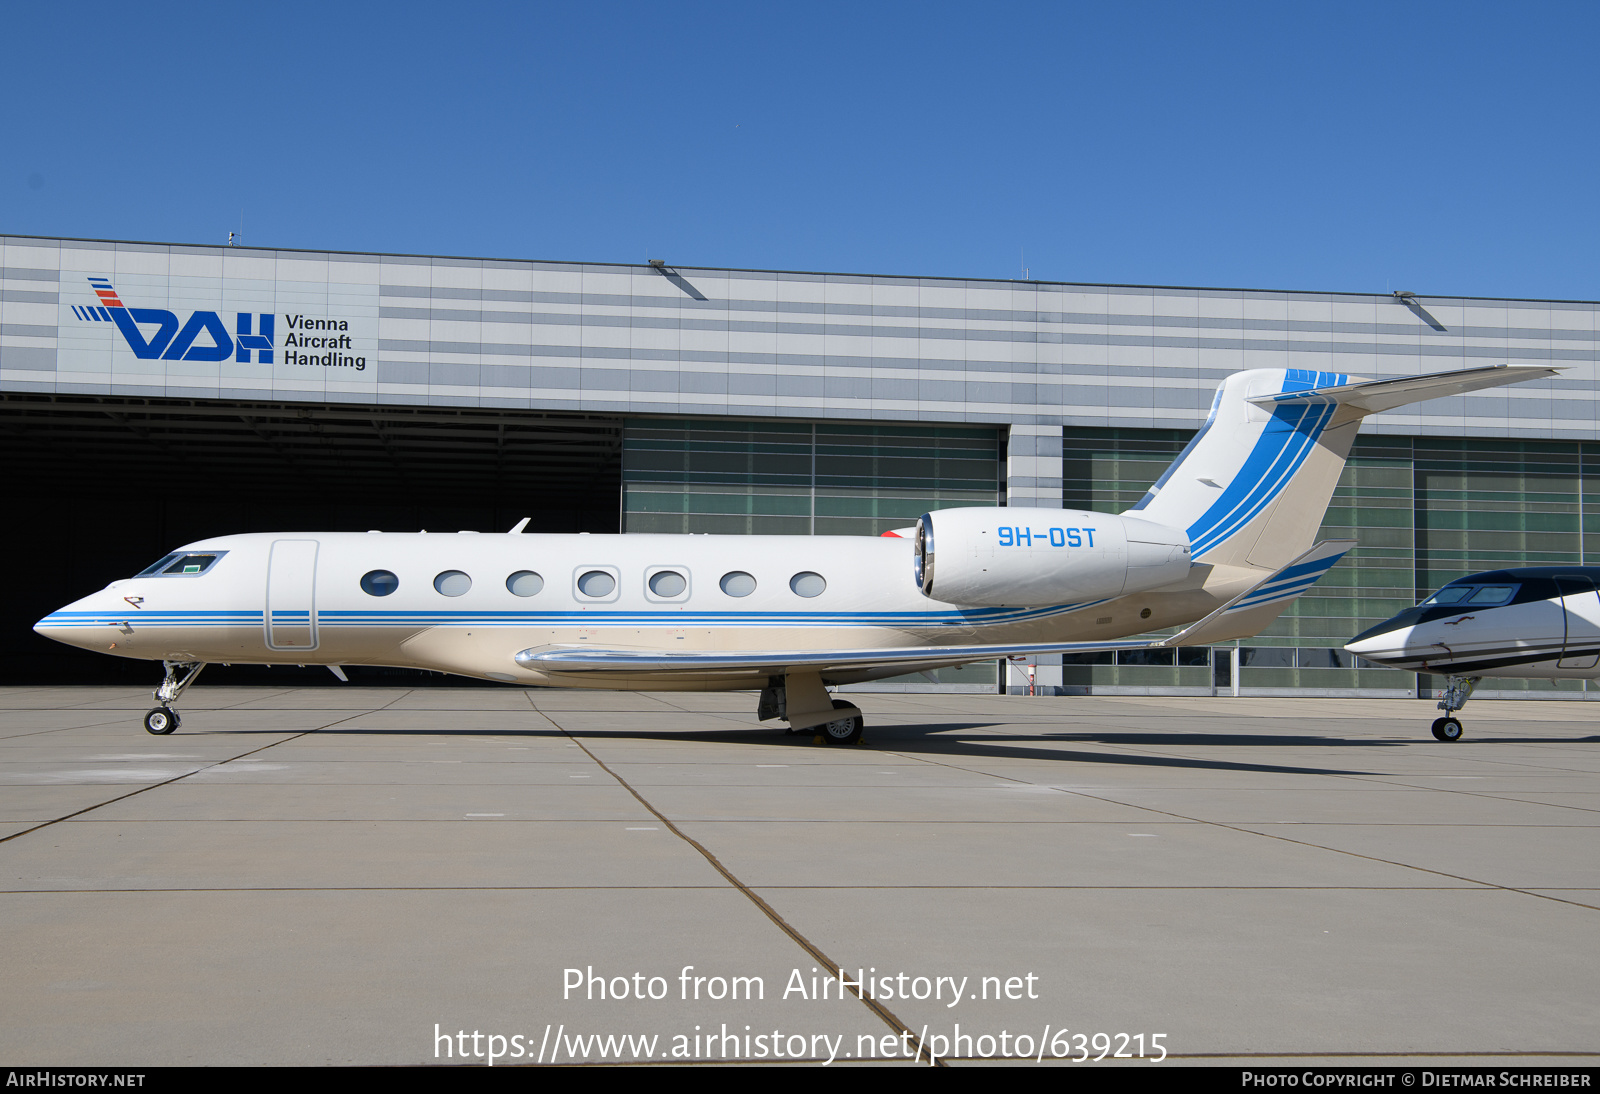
519	526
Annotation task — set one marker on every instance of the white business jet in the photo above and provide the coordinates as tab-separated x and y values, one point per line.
1535	622
1223	542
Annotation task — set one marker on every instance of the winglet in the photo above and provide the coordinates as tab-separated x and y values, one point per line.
1241	617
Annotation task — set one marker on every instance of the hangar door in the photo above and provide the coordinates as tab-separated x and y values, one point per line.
165	472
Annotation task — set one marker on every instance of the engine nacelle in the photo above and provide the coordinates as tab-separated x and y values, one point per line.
1027	558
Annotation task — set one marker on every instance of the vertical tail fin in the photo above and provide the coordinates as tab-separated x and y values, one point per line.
1252	486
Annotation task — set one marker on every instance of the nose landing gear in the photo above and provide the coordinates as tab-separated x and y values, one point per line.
163	719
1458	689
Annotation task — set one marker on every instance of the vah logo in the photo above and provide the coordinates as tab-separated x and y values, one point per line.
169	343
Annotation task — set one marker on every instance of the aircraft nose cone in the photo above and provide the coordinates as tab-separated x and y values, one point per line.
58	627
1365	646
83	623
1395	643
1387	642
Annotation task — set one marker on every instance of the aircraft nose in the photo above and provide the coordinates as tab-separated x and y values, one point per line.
83	623
1385	642
1394	643
1371	646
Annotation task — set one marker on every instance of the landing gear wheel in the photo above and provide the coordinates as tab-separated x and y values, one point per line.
845	731
161	721
1447	729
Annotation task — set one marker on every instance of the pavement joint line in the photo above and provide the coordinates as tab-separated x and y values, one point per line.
880	887
1301	843
1375	780
62	729
1375	858
887	1016
185	775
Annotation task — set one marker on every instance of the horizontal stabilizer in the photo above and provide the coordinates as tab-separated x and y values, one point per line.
1375	395
1275	592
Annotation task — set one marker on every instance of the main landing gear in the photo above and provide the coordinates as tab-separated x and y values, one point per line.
803	702
163	719
846	730
1458	689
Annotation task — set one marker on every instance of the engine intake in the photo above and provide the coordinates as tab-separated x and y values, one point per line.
1025	558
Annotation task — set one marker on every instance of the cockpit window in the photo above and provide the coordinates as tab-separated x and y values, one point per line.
1479	596
182	564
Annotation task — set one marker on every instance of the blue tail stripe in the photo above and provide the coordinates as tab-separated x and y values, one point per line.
1252	483
1272	463
1269	468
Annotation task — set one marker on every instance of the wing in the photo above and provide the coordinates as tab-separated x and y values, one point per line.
722	663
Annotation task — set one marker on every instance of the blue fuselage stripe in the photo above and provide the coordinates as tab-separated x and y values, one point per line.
591	618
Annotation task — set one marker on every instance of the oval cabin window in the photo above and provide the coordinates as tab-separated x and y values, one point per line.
379	583
524	583
452	583
807	584
668	583
596	583
738	583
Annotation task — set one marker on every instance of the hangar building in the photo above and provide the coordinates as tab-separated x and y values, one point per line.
277	390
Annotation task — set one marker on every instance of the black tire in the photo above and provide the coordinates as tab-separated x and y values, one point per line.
1447	729
845	731
161	721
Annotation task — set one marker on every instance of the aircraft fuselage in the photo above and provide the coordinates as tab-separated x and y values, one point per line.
1531	622
467	603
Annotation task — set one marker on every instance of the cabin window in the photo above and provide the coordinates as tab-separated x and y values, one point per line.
807	584
182	564
667	583
379	583
452	583
597	583
524	583
738	583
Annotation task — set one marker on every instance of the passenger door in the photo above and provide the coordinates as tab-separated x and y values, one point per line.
1580	611
291	620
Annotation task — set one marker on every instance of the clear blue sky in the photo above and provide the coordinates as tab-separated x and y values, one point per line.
1441	148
